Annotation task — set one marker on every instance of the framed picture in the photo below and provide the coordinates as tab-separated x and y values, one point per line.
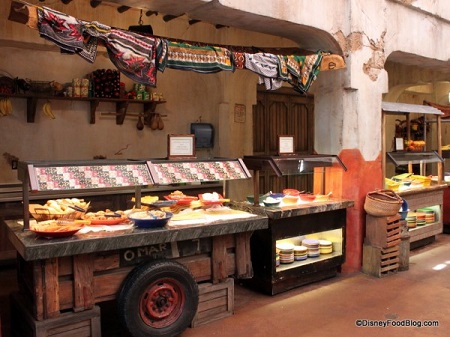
399	144
181	146
285	144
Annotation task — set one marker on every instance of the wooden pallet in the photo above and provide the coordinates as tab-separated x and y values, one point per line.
380	262
383	232
216	301
69	324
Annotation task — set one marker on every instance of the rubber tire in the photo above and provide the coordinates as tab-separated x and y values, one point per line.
148	279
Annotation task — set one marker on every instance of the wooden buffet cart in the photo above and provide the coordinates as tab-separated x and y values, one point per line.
428	196
154	274
292	223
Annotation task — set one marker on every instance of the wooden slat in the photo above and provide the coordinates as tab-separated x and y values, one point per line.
38	289
106	261
83	271
219	258
51	288
243	258
216	301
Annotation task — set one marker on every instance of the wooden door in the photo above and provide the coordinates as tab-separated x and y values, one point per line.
283	113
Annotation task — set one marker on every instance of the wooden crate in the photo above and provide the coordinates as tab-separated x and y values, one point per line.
383	232
216	301
69	324
380	262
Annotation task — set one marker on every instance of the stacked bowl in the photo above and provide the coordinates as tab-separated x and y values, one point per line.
325	247
313	247
300	253
286	252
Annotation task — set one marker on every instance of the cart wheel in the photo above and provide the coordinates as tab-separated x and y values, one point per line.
158	298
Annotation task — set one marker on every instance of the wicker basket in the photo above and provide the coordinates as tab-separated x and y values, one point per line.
382	203
41	213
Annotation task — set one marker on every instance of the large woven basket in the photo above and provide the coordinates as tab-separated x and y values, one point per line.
382	203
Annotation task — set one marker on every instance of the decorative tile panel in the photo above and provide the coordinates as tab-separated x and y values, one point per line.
182	172
92	176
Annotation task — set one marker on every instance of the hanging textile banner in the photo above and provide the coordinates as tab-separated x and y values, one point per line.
140	56
444	108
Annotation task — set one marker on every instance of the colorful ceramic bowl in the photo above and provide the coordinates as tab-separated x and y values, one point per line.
290	199
291	191
307	197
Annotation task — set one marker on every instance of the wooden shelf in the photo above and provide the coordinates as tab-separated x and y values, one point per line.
121	105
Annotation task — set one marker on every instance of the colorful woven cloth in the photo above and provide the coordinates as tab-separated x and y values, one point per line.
66	32
239	60
267	66
201	59
133	54
140	56
303	70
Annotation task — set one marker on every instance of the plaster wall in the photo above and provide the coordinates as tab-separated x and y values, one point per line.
190	96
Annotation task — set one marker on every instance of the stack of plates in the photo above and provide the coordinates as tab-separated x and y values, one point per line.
300	253
277	259
411	220
325	247
313	247
286	252
421	219
430	216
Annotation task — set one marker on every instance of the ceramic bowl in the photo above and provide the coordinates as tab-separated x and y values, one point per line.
307	197
140	221
271	202
291	191
322	197
276	195
290	199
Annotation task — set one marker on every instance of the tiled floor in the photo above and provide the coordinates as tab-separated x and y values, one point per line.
328	308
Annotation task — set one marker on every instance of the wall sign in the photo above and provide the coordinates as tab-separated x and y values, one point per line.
181	146
285	144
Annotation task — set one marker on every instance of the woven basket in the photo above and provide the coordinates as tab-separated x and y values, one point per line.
382	203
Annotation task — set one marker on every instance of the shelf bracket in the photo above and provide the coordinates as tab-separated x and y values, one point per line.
31	109
121	111
93	107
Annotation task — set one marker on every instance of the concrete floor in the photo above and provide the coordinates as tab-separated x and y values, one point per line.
328	308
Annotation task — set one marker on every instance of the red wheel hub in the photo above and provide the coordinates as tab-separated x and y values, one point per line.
162	303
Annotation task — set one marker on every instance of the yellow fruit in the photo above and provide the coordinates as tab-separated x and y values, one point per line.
8	106
47	110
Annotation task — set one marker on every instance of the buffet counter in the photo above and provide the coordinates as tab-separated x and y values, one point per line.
75	273
157	276
275	270
430	197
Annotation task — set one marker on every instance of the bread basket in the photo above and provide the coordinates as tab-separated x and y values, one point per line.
382	203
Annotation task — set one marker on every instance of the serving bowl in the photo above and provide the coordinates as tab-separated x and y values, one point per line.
276	195
307	197
291	191
150	219
271	202
290	199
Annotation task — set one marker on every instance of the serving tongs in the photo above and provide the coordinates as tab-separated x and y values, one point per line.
112	215
78	208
